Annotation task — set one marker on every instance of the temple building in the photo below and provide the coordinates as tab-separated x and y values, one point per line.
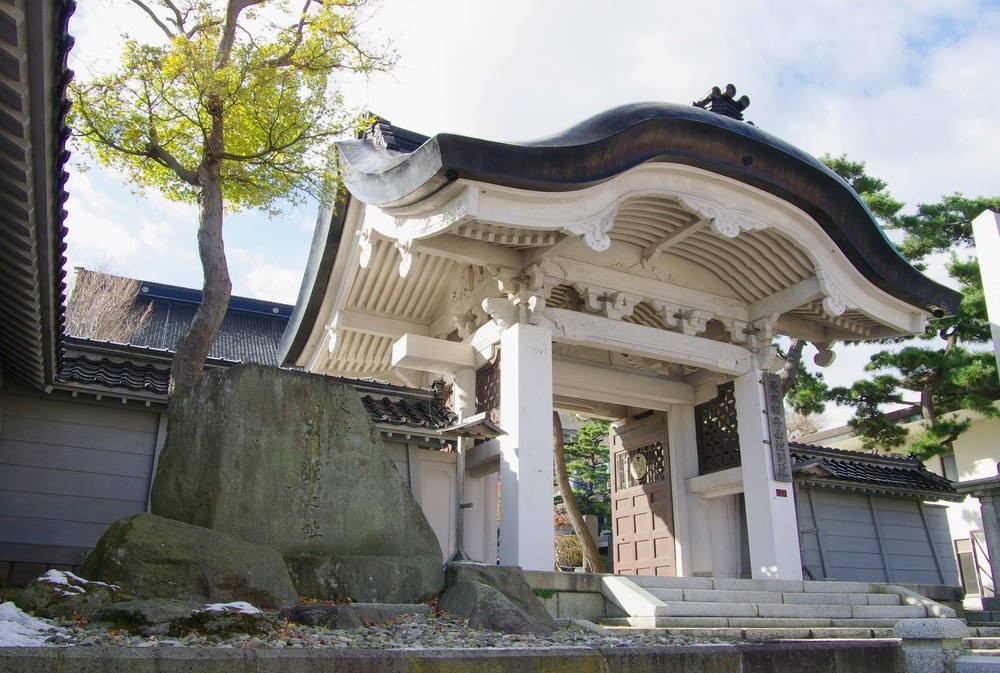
637	267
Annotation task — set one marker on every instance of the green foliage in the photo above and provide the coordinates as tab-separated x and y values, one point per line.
868	397
273	92
587	465
941	227
941	374
807	393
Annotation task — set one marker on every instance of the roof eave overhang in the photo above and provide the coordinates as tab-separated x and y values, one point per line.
608	145
34	135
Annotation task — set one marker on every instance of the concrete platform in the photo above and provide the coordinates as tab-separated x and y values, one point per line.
864	656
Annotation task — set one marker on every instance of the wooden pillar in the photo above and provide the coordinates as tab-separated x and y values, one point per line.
772	525
527	531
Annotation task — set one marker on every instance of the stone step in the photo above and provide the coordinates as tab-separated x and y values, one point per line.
748	622
733	584
758	634
982	616
980	631
786	610
976	664
982	643
797	598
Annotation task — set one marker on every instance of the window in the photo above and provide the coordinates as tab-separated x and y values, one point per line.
948	467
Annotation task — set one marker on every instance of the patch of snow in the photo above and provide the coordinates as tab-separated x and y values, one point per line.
18	629
73	583
241	607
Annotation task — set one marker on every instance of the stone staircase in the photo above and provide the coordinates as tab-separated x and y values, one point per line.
764	609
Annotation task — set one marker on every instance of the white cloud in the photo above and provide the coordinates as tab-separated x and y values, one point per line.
906	86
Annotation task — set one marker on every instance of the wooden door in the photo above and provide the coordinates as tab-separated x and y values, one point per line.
642	510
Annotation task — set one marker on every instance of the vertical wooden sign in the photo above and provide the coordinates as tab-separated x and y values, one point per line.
774	402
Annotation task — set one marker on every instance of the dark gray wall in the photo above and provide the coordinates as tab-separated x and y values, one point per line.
874	538
68	468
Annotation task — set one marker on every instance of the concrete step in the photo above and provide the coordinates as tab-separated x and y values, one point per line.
976	664
758	597
748	622
732	584
982	643
787	610
758	634
982	616
981	631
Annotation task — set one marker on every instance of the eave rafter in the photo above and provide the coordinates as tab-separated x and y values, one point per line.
679	235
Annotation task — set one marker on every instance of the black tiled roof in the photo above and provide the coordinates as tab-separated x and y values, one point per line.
34	46
887	474
381	170
114	374
250	331
403	410
145	370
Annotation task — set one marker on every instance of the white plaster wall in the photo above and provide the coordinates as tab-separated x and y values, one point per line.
437	496
480	521
976	456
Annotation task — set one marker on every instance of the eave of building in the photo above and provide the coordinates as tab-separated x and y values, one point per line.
620	139
34	44
761	260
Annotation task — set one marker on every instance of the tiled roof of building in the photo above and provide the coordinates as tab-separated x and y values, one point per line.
886	474
406	410
144	371
34	45
250	331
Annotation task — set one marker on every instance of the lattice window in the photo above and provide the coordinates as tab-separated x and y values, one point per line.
488	389
718	432
638	467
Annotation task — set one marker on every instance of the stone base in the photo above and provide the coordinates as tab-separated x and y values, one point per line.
367	579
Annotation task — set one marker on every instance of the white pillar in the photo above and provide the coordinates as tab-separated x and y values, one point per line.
771	522
527	532
986	230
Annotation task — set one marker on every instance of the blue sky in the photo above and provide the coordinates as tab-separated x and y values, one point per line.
908	86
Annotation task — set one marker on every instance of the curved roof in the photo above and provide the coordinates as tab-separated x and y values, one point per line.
611	143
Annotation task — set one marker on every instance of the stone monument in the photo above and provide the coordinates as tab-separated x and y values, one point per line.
292	461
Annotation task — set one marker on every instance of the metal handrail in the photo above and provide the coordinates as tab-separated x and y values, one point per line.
984	572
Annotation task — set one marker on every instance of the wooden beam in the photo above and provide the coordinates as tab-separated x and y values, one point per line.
653	250
790	298
469	251
587	274
379	325
594	331
413	351
589	382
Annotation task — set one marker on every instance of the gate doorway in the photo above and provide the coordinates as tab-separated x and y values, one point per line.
641	498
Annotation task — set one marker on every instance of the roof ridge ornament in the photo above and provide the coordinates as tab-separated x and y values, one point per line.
724	103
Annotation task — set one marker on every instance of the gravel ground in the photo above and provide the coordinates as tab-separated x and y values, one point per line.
407	632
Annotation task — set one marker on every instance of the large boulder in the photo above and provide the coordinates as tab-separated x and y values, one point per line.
153	557
486	607
293	461
509	581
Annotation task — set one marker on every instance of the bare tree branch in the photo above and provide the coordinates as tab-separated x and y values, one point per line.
152	15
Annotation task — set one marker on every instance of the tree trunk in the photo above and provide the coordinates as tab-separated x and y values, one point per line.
592	559
193	348
793	361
